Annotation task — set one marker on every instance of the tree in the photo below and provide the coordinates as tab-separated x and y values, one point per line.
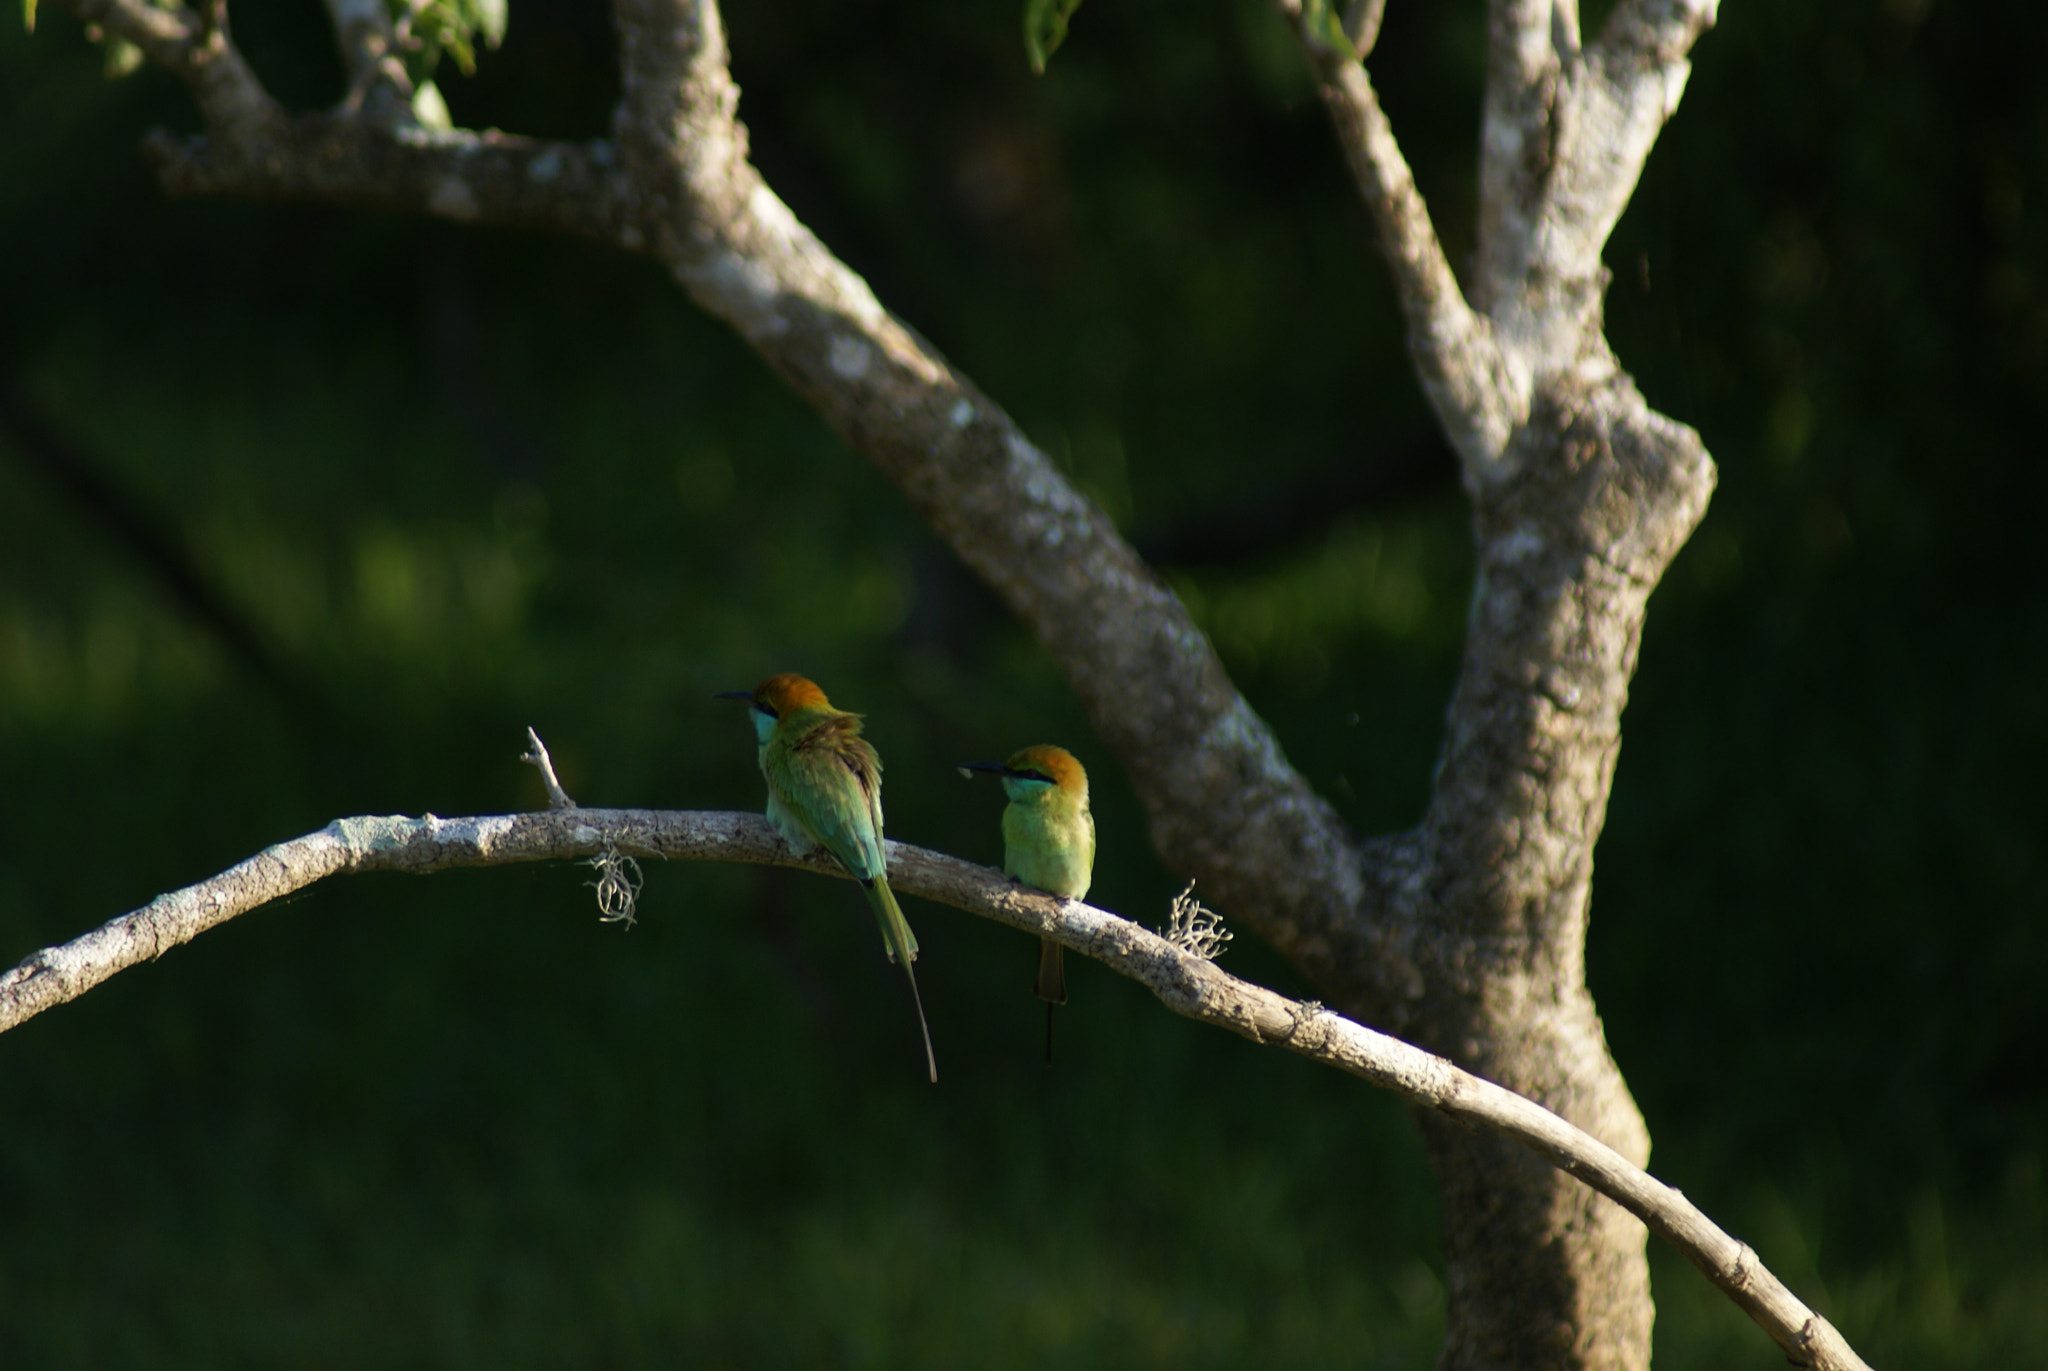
1467	933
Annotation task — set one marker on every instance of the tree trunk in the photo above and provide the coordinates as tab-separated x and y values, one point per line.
1542	1272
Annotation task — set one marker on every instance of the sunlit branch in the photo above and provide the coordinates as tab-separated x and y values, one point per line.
1517	136
1185	982
1630	84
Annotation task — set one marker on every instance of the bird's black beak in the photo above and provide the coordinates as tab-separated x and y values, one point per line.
746	695
966	769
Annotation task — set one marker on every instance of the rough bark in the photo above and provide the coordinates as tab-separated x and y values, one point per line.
1569	551
1469	931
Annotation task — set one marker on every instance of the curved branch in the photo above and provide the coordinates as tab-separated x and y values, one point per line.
1186	983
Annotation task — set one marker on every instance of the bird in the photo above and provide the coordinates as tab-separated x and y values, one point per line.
1048	842
825	790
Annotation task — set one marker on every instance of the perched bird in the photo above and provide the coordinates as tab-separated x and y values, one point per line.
1048	842
825	790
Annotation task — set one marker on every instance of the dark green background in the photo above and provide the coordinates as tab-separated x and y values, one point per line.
451	483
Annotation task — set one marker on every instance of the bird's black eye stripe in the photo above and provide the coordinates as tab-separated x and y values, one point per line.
1032	774
766	710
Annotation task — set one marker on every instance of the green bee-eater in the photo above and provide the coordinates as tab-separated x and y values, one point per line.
825	790
1048	842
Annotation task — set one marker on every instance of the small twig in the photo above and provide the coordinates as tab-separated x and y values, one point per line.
537	757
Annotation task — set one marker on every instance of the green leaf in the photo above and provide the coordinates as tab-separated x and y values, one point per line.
1045	27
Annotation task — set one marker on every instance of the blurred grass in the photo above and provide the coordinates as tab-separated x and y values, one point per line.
462	483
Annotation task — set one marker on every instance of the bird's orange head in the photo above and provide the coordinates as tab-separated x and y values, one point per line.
777	696
1046	762
780	695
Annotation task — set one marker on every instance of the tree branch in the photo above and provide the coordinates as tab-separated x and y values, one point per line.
191	44
1581	496
1476	395
1565	136
1564	28
1516	134
1185	982
470	178
1628	88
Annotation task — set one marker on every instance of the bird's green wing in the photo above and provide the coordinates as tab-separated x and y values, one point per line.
830	780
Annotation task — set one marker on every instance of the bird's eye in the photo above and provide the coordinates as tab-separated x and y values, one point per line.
769	710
